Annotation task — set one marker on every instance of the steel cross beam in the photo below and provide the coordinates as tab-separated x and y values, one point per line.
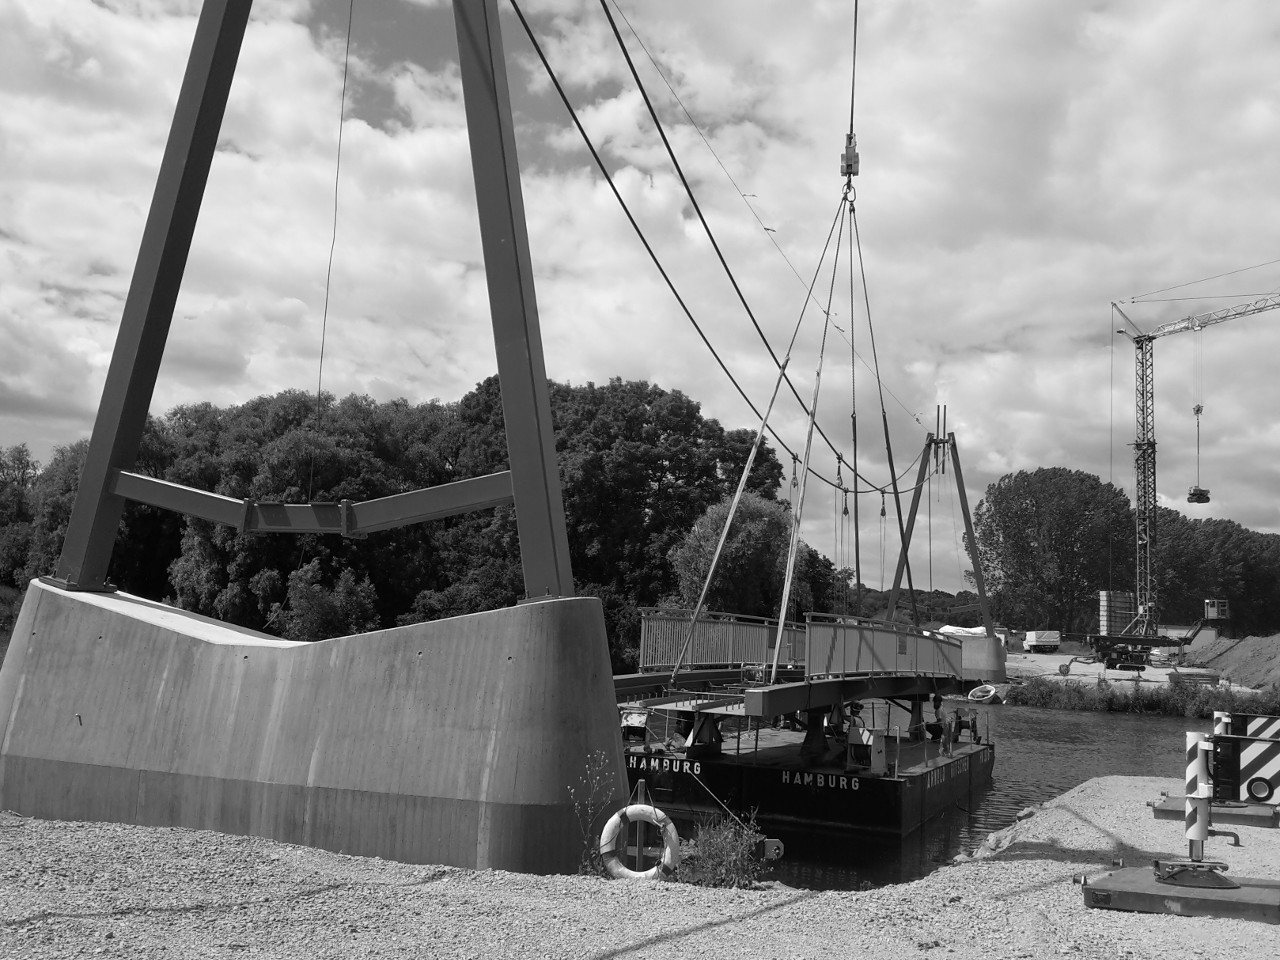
533	483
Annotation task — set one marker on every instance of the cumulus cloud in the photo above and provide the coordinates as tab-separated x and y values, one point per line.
1023	165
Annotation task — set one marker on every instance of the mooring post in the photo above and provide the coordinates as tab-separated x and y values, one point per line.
641	799
1196	815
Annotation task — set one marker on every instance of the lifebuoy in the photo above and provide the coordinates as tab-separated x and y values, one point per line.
615	832
1259	789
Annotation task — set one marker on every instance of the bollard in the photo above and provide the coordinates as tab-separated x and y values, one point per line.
1196	816
641	798
1221	723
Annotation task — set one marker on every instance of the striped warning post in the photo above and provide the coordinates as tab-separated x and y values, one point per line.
1196	815
1221	723
1259	769
1262	727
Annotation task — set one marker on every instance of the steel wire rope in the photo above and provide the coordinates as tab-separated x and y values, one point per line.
1208	296
333	243
746	469
884	417
697	209
794	547
853	398
599	162
1179	286
324	316
768	231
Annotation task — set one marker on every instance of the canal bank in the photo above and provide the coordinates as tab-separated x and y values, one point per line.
69	890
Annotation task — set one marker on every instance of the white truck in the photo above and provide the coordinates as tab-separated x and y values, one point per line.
1042	641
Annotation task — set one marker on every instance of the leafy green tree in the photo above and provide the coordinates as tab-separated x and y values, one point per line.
1205	559
321	607
1049	540
750	575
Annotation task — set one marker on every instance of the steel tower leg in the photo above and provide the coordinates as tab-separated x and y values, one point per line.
162	259
526	403
148	309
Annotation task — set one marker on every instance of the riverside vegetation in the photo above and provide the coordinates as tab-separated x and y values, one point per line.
1177	698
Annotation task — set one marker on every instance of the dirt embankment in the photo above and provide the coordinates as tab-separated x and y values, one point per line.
1251	662
105	890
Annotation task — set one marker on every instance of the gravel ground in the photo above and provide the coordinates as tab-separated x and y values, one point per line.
106	890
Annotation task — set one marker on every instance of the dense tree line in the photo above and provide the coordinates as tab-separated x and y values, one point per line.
647	482
640	466
1050	539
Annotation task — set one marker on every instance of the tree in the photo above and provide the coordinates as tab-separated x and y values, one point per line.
750	575
1217	559
317	610
1048	541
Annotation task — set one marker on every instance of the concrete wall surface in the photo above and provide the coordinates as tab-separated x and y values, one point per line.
449	742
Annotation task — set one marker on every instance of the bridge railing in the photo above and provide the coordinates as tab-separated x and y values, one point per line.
720	639
836	644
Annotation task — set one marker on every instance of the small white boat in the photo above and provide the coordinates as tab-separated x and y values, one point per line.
984	694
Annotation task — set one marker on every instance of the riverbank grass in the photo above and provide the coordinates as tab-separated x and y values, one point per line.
1177	698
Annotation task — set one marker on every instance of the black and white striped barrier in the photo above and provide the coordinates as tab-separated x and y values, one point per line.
1196	817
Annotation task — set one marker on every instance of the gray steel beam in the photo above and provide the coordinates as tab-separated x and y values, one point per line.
979	582
153	291
896	590
176	497
783	698
526	403
433	503
346	518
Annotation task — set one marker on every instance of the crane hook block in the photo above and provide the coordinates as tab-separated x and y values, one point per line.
849	159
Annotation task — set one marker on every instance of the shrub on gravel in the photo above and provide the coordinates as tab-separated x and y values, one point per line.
724	853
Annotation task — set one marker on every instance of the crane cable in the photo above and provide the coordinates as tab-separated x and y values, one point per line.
697	209
794	546
635	226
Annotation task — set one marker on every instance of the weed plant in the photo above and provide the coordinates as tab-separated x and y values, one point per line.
593	801
1178	698
724	853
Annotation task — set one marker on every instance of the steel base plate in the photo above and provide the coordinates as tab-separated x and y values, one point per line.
1137	889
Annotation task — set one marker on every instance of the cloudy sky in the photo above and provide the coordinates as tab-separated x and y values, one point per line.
1024	164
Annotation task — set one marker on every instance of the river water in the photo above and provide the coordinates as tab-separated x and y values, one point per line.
1040	754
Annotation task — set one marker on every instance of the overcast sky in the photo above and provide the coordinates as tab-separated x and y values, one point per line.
1024	164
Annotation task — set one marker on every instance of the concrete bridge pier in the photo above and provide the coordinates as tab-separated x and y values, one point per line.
450	742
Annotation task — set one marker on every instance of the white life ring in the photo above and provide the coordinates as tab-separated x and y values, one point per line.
615	830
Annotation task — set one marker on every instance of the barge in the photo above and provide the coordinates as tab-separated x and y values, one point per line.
864	780
820	750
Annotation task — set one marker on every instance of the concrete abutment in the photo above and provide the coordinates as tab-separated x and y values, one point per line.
450	742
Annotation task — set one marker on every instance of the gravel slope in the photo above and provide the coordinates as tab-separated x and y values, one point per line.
105	890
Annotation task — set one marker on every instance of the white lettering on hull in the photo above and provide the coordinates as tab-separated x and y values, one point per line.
663	765
822	781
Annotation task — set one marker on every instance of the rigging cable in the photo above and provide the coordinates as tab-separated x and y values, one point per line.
697	209
746	469
794	547
884	418
768	231
1178	286
599	162
853	392
333	243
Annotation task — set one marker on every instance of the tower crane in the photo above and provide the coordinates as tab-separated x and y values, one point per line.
1144	447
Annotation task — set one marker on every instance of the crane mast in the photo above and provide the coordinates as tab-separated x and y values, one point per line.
1144	446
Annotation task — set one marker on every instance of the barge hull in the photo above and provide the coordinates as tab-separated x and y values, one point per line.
823	798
